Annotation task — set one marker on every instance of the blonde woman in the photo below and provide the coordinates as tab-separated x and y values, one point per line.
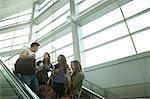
76	79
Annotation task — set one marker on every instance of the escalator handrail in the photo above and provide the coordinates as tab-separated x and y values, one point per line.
93	93
11	57
93	84
103	90
22	86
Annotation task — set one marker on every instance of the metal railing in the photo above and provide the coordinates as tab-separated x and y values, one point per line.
92	93
98	90
23	89
11	57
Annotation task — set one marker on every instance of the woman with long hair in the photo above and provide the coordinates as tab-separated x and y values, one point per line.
59	78
47	62
43	68
75	79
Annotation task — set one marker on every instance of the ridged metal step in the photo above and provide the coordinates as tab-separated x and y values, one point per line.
9	97
6	90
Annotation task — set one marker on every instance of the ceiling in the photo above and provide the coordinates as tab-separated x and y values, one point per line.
10	7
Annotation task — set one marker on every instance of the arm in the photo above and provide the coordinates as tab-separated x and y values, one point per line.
24	55
77	82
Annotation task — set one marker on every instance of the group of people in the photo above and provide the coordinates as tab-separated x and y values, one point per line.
64	79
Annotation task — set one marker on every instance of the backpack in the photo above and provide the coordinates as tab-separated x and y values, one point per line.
25	66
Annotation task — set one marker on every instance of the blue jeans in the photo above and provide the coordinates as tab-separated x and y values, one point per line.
31	81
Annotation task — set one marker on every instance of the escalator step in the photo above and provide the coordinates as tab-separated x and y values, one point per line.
9	97
7	92
4	86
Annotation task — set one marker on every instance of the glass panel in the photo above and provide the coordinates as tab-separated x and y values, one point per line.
26	12
67	39
55	0
45	2
62	10
142	40
54	58
6	35
24	18
67	51
61	20
41	51
6	57
44	31
12	16
20	40
105	36
139	22
17	47
13	60
21	32
8	22
112	51
136	6
46	21
46	6
102	22
6	43
69	60
79	0
5	49
86	4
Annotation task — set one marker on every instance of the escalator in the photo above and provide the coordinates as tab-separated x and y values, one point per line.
6	89
11	87
89	94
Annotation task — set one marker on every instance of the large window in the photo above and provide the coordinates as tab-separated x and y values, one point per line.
135	6
139	22
14	38
47	48
86	4
61	45
55	20
102	22
45	5
109	52
7	22
64	45
6	35
142	41
63	41
107	37
16	35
